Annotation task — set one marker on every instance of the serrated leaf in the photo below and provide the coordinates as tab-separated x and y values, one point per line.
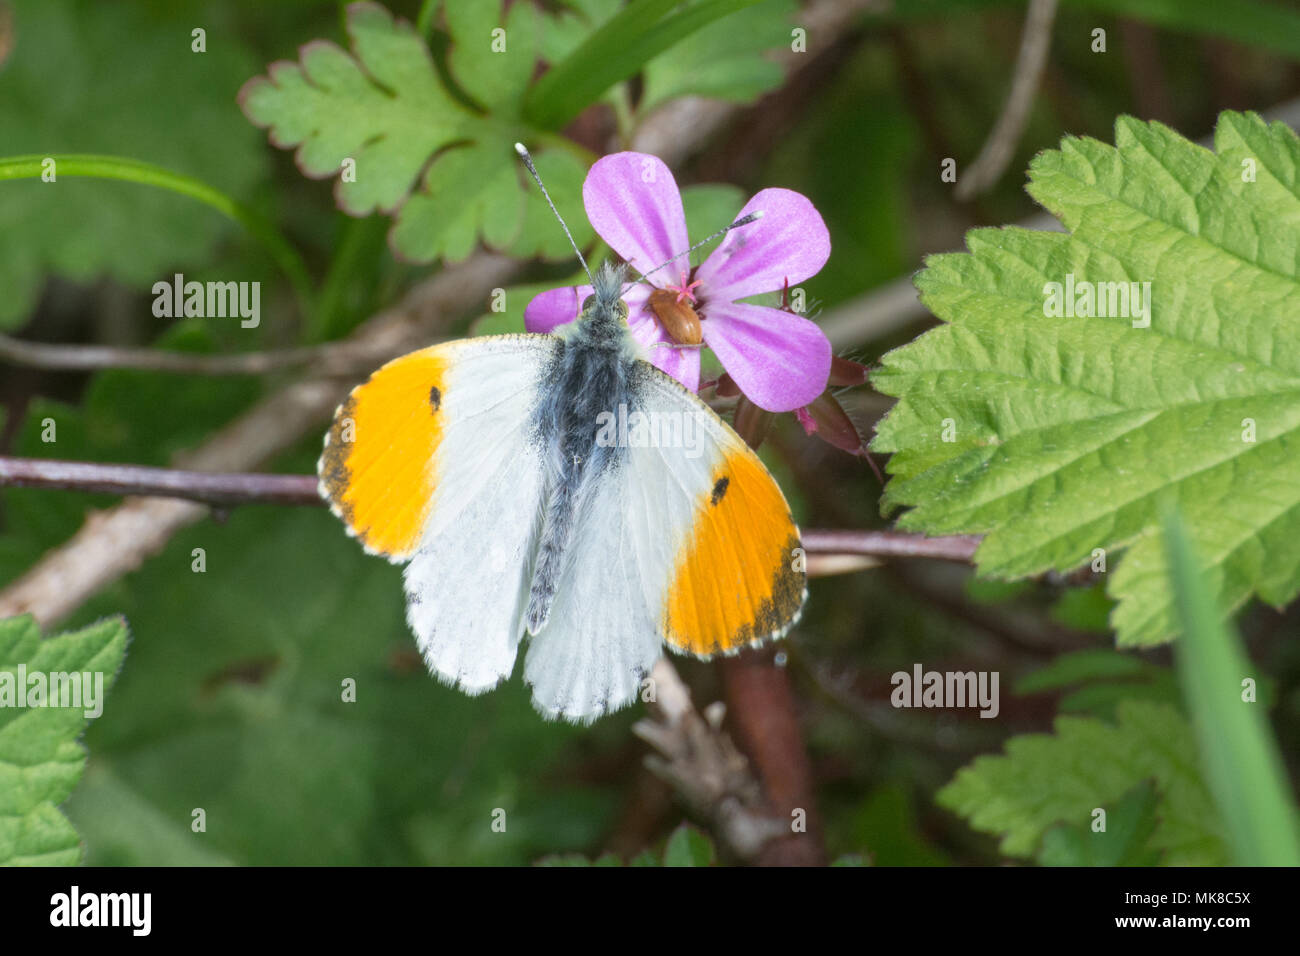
1058	436
492	67
382	106
40	757
379	117
1130	822
1087	763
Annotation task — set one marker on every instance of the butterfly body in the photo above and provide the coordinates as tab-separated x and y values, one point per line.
517	478
592	372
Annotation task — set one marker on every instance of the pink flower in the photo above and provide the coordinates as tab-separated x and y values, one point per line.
780	360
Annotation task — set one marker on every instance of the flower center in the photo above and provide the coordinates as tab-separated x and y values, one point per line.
684	289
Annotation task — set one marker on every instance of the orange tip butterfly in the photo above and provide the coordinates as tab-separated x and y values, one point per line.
560	488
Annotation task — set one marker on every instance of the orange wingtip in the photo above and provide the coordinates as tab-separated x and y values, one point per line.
739	579
377	470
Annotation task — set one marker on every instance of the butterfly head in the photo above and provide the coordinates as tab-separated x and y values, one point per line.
607	290
604	313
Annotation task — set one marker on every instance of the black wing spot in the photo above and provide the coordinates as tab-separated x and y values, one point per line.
435	398
719	489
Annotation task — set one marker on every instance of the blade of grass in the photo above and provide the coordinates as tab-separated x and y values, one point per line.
624	44
138	171
1238	753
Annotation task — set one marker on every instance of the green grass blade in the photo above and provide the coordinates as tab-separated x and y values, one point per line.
1240	759
629	40
137	171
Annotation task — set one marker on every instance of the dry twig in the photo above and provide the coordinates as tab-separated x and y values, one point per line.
1001	144
697	759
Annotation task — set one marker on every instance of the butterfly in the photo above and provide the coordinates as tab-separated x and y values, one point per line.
560	488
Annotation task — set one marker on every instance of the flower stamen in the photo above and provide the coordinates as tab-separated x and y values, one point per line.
683	288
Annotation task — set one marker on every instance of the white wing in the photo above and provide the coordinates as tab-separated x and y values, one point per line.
477	474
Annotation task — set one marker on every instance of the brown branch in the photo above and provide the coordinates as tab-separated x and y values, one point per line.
765	720
891	544
217	489
338	358
228	489
1001	144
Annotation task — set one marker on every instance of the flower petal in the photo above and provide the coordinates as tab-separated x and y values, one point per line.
633	203
555	307
681	363
781	361
789	244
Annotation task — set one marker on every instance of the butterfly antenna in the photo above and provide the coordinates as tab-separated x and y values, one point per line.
528	161
742	221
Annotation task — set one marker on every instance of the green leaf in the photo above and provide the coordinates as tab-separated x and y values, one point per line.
382	107
885	824
1240	758
1066	433
40	757
724	60
688	847
1080	666
1102	680
101	100
493	69
618	49
1084	609
1088	763
381	119
1130	823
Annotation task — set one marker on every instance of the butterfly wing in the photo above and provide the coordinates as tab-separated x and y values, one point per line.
434	461
688	540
